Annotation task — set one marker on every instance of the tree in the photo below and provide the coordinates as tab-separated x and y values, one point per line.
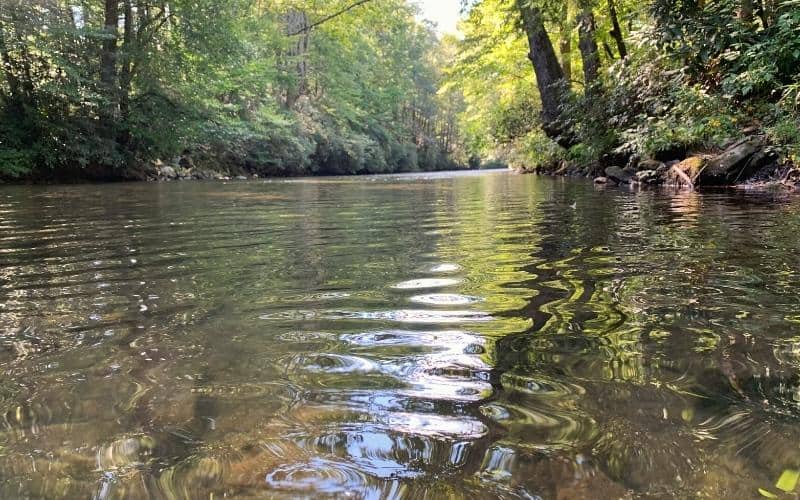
549	74
588	45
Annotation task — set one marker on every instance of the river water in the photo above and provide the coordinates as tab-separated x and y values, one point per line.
421	336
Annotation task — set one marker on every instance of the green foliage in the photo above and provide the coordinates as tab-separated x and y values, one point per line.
696	75
785	132
224	82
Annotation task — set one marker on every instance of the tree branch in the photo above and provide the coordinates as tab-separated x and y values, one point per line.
328	18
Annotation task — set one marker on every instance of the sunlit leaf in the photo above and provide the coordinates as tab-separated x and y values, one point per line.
788	480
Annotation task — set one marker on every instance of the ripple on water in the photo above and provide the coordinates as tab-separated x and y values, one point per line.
332	363
449	340
540	385
421	316
541	427
319	475
423	283
445	268
449	376
445	299
124	453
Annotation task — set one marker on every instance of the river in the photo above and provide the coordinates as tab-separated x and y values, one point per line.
477	335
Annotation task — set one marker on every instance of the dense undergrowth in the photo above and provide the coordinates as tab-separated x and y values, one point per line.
696	76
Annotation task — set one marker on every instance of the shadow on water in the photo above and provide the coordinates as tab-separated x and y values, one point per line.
438	336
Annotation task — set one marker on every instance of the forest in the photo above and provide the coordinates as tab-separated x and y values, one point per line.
137	89
107	89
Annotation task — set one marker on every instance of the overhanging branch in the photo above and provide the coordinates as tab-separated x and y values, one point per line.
328	18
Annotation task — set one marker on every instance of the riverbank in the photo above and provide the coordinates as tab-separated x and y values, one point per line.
750	162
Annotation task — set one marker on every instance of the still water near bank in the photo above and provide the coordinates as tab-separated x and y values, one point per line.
426	336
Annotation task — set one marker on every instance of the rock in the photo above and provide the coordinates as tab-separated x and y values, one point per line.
600	180
619	175
255	176
650	165
620	155
168	172
240	178
634	161
733	165
649	177
185	162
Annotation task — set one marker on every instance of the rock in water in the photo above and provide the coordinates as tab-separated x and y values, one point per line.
649	177
600	180
731	166
619	175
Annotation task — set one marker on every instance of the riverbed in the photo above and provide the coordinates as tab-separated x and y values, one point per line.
451	335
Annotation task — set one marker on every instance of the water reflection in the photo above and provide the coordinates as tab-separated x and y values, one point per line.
475	336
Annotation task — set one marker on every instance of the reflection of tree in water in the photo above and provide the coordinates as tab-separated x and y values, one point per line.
637	346
272	354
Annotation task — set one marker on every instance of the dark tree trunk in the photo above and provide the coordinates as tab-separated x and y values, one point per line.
297	25
761	11
616	31
549	74
588	47
108	57
126	72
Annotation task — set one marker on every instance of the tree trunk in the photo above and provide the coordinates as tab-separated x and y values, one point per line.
588	47
108	57
761	11
746	10
126	73
565	42
297	24
616	31
549	74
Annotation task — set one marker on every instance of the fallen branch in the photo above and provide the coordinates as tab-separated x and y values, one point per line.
328	18
682	175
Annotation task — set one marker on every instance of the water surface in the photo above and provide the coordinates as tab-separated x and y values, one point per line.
425	336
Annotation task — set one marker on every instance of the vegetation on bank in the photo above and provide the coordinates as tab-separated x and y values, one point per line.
109	89
614	82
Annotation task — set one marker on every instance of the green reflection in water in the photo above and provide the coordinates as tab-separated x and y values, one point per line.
424	336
